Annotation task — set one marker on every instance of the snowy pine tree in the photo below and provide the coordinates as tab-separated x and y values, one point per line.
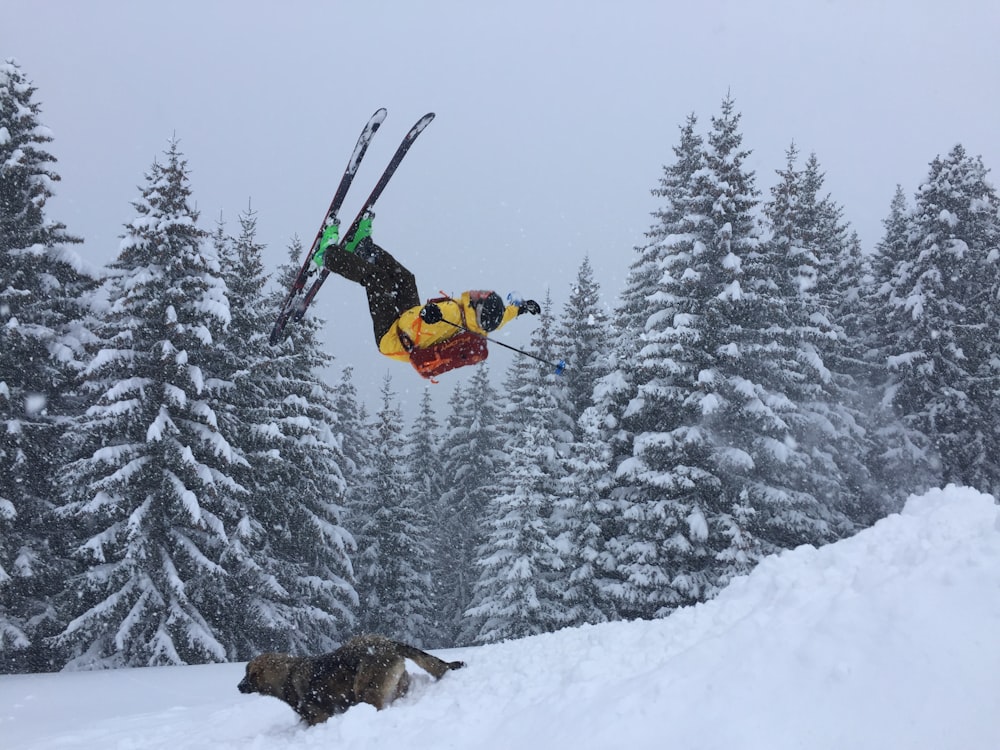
715	477
677	523
42	330
532	384
616	388
148	492
583	335
750	370
816	263
585	514
590	582
612	423
942	335
474	457
522	560
519	588
289	555
902	461
426	481
355	441
393	560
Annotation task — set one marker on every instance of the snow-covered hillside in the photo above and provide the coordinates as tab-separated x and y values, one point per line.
889	640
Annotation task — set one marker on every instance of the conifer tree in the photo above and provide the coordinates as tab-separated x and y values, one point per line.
850	404
816	264
473	461
675	189
518	591
289	556
714	478
679	520
43	310
521	561
613	421
427	485
532	385
617	389
590	584
150	488
747	382
942	331
902	461
355	442
584	335
583	507
638	546
393	557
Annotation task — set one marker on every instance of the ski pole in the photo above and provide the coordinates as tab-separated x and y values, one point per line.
559	366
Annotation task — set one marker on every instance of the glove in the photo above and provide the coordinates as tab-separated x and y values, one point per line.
431	313
529	306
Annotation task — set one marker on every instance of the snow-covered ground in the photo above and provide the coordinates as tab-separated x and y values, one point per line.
889	640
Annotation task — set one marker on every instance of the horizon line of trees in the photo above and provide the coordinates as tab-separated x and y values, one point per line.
176	490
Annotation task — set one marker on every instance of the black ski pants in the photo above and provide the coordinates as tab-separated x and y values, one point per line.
391	288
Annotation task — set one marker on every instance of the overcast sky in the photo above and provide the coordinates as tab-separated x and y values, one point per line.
554	120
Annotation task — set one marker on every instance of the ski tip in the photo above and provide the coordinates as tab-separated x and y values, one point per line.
379	116
422	123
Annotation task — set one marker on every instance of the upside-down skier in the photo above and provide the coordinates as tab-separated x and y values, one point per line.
443	334
435	337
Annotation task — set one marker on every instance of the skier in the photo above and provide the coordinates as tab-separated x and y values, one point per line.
437	337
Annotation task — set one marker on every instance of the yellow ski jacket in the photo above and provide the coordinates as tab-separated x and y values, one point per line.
410	328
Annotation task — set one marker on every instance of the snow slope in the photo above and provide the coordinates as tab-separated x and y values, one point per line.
889	640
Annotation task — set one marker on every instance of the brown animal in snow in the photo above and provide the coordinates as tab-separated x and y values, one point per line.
366	669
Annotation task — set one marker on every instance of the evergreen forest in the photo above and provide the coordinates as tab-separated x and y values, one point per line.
176	490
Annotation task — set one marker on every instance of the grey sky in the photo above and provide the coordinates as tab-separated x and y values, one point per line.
553	120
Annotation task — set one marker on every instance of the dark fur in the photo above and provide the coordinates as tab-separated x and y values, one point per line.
366	669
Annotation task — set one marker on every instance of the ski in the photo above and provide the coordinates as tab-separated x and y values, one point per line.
366	208
289	306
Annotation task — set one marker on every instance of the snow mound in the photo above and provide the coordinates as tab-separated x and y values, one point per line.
885	640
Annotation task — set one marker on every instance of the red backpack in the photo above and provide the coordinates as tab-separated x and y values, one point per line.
464	348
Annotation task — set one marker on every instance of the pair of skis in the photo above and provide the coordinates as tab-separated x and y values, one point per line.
294	308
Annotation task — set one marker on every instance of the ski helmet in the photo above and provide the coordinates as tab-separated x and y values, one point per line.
489	312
